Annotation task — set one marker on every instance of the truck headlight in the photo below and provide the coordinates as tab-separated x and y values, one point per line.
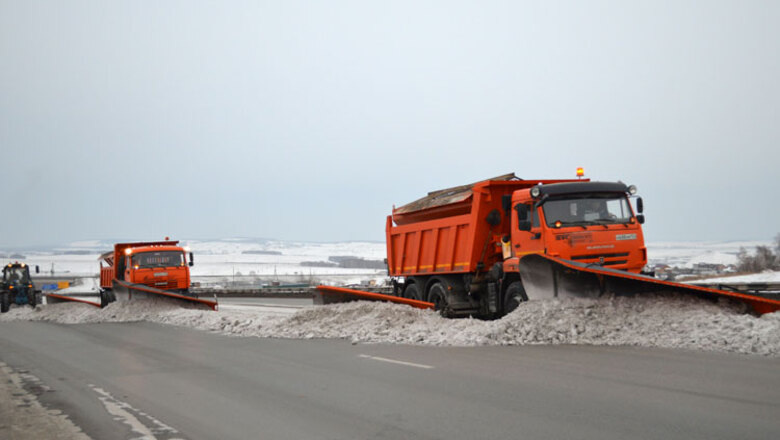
535	191
632	189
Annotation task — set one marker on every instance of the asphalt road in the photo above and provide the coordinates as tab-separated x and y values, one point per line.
122	381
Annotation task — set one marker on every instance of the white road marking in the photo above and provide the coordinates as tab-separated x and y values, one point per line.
393	361
123	411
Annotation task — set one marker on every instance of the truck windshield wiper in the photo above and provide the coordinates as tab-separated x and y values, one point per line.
580	224
604	222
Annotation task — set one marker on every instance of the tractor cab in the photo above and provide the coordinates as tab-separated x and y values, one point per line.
16	274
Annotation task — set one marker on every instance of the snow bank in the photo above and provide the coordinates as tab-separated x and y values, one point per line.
647	321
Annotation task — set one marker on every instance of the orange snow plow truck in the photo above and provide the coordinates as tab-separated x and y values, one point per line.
482	249
145	269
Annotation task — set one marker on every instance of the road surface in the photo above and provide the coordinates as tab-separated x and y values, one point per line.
136	380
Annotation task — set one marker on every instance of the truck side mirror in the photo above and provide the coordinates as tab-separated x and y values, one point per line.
37	269
523	223
640	218
506	203
192	260
640	206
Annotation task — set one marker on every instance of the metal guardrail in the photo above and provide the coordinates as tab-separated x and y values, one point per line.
754	286
766	290
268	292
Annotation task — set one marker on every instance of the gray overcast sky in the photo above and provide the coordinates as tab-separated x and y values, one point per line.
308	120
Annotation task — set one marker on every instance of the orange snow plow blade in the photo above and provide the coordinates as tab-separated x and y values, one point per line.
53	298
126	291
545	276
332	295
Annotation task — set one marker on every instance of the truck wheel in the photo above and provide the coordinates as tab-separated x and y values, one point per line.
412	292
5	302
438	296
515	294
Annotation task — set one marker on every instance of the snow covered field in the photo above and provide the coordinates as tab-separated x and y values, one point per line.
227	257
687	254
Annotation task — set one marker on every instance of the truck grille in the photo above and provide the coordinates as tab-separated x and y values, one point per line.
608	259
165	285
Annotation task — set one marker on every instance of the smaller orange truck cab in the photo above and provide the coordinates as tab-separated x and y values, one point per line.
161	265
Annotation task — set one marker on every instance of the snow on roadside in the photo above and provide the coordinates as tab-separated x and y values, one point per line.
649	321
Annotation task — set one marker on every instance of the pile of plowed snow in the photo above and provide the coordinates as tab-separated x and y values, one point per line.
651	321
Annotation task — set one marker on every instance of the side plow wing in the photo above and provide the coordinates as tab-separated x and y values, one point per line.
127	291
548	277
333	295
54	298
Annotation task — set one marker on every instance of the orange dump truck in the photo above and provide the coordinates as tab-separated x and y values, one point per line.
143	269
158	264
148	269
157	268
482	249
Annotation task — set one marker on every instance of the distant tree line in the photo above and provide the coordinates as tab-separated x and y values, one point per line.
764	258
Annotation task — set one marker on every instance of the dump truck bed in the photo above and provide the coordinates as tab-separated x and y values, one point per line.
447	232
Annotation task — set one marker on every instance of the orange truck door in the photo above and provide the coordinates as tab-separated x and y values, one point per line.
527	242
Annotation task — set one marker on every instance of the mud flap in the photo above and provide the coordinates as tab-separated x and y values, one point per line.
549	277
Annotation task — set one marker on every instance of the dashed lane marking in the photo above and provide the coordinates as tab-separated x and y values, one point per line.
393	361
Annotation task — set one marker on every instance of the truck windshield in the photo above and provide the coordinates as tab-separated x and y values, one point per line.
594	209
158	259
15	274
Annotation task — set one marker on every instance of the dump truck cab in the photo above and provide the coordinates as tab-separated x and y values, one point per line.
162	265
586	222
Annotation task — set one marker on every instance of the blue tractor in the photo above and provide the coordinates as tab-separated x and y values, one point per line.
17	287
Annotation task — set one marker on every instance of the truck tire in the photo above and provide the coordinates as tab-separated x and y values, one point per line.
5	302
438	296
412	292
515	294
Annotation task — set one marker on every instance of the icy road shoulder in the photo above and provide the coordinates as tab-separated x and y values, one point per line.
647	321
